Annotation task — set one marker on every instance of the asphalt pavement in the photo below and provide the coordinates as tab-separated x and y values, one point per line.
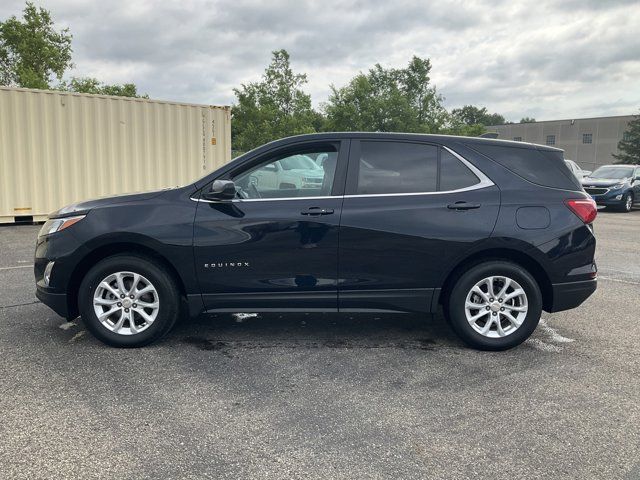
324	396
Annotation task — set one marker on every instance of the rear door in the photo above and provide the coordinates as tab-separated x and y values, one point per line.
410	210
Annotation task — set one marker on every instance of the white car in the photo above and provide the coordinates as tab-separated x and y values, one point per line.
576	170
296	172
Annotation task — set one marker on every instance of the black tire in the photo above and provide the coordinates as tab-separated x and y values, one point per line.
167	292
626	206
455	305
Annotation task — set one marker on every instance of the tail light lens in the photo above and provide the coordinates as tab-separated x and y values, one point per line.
584	208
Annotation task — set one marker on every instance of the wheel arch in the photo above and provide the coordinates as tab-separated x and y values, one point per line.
107	250
505	254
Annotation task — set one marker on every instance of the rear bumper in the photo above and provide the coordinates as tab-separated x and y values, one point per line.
572	294
55	301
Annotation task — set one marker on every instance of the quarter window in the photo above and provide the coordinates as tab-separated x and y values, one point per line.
395	167
454	174
587	138
296	175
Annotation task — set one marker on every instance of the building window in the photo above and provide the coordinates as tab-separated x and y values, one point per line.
626	136
587	138
551	139
517	139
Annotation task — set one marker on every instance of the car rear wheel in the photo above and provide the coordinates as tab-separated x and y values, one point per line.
494	305
128	301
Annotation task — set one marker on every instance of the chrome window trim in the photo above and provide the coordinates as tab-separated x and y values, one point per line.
483	183
242	200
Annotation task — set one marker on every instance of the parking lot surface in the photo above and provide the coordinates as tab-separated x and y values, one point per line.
324	396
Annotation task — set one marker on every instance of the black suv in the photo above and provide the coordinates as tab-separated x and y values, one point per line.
493	231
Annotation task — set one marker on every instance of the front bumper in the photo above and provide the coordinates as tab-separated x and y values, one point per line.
572	294
56	301
610	199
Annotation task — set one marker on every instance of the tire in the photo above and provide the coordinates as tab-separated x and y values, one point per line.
627	202
149	323
526	309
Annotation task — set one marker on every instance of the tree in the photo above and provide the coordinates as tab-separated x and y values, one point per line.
471	115
527	120
272	108
629	146
387	100
32	51
455	126
93	85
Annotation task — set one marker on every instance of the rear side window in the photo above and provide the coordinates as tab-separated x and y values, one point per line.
396	167
542	167
454	174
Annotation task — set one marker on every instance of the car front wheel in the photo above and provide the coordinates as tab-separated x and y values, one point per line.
494	305
128	301
627	202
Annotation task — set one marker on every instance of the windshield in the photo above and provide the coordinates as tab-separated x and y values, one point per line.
612	172
299	162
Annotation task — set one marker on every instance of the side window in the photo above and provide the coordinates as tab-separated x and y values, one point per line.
396	167
454	174
292	175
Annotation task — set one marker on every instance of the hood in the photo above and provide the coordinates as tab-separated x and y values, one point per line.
85	206
307	172
602	182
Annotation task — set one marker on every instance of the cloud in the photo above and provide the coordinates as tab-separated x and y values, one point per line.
541	58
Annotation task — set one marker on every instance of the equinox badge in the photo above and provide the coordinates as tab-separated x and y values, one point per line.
226	264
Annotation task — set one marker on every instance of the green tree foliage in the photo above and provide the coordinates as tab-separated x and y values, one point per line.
472	115
527	120
387	100
272	108
32	51
93	85
629	146
455	126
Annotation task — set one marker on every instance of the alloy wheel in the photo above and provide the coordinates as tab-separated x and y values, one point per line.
496	306
126	303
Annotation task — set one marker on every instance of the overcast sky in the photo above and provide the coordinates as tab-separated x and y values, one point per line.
543	58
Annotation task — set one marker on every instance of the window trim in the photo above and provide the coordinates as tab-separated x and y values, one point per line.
484	182
342	146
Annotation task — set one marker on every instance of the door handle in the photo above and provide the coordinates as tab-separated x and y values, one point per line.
316	211
463	206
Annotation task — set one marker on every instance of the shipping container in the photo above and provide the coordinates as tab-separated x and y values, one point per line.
57	148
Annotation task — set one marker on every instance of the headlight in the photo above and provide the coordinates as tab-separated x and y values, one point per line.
616	187
57	224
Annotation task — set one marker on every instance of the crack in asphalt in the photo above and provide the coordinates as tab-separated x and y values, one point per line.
18	305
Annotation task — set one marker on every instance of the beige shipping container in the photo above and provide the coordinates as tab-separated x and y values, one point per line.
57	148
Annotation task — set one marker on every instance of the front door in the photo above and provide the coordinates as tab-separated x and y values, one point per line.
276	245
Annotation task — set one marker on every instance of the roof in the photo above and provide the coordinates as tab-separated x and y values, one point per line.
443	139
631	115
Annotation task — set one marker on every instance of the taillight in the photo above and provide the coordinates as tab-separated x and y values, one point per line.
584	208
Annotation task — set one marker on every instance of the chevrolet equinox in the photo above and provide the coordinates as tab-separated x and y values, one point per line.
492	231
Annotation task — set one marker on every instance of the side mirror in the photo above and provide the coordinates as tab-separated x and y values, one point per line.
220	190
